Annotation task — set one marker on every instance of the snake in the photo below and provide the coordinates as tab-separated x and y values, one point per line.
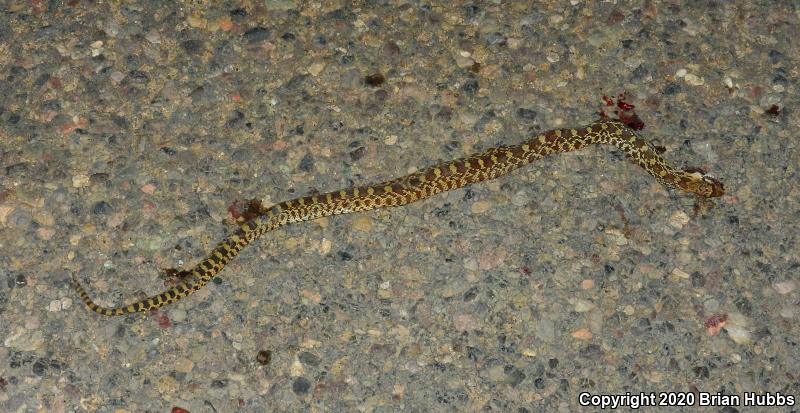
489	164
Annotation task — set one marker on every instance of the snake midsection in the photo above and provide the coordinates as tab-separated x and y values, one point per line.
489	164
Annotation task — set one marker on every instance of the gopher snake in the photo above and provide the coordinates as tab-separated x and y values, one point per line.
489	164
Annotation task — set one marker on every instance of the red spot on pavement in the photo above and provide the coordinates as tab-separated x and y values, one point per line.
625	106
162	319
238	208
715	323
631	119
148	206
624	111
774	110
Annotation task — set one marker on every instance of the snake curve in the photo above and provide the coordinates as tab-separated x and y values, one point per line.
490	164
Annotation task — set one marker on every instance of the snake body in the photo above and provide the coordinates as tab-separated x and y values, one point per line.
489	164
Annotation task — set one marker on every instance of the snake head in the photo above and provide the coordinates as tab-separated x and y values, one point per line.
711	188
704	185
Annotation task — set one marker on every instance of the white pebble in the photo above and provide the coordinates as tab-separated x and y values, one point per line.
679	219
178	314
54	306
325	246
582	306
521	198
80	181
480	207
694	80
316	68
464	62
788	312
679	273
784	287
738	334
728	82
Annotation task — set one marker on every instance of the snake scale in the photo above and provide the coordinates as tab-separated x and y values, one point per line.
489	164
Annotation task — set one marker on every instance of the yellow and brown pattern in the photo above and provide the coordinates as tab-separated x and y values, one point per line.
489	164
